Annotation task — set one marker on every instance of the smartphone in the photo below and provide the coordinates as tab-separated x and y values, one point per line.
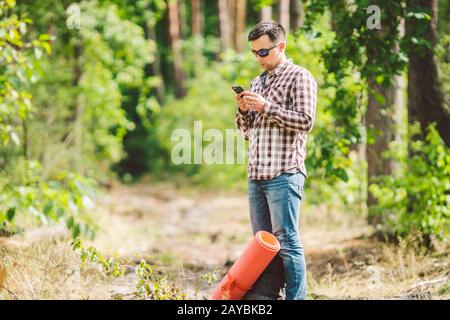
237	89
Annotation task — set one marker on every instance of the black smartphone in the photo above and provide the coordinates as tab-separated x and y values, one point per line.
237	89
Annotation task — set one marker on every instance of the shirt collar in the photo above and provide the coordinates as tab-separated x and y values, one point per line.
279	68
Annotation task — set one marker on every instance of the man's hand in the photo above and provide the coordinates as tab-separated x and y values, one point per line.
241	103
254	101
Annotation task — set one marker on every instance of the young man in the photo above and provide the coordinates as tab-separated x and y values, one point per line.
275	115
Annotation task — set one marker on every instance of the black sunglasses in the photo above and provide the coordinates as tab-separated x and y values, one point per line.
263	52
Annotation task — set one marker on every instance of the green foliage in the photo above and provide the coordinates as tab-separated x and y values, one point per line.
352	54
18	65
336	127
339	106
214	106
25	189
211	277
151	285
418	197
261	3
89	119
67	197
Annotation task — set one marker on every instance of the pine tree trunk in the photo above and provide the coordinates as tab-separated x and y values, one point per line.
224	21
425	98
174	30
232	21
240	25
284	14
78	110
266	13
380	117
196	18
154	68
197	35
447	56
296	11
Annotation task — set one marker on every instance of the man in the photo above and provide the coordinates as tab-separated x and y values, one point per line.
275	115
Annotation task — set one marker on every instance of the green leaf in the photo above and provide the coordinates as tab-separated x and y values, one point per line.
46	47
11	3
76	231
48	207
11	213
379	98
69	223
44	37
60	212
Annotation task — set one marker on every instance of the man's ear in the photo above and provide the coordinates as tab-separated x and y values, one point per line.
282	46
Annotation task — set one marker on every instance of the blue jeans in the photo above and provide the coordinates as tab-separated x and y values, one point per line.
275	207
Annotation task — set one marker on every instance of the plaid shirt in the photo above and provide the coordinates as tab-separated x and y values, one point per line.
277	135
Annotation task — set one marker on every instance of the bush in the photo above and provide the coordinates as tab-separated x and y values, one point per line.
417	198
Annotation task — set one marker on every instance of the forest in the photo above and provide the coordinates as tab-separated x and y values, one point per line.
123	175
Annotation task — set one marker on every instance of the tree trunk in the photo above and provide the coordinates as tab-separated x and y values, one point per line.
78	108
224	21
296	19
384	107
380	117
284	14
425	98
240	25
232	20
266	13
447	55
196	18
154	68
181	19
174	28
197	36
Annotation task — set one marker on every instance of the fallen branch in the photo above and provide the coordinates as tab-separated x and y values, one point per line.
429	282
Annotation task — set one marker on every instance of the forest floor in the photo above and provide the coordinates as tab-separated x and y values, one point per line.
187	235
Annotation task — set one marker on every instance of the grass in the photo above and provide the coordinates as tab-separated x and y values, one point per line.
190	236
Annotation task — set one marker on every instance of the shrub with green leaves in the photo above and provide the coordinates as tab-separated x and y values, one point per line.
25	190
417	198
67	197
151	285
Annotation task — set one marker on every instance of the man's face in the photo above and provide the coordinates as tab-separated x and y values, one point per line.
269	62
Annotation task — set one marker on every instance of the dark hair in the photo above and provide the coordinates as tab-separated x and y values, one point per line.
273	29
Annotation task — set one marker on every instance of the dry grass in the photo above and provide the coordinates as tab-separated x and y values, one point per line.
42	265
367	269
190	235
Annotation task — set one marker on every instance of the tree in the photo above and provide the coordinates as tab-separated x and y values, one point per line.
196	18
383	103
284	14
240	25
426	102
296	12
266	13
224	22
175	44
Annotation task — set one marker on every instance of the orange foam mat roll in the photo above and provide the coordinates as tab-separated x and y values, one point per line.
246	270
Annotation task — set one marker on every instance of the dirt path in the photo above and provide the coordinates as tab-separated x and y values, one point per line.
187	234
190	235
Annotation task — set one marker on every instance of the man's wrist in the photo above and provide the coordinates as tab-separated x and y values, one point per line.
243	112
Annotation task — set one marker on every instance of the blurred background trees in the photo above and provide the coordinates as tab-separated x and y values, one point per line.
89	104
